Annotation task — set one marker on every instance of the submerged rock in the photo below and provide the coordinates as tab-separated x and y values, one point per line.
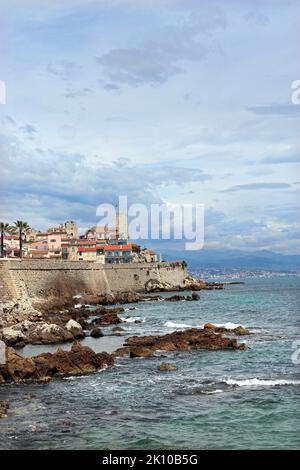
165	366
79	360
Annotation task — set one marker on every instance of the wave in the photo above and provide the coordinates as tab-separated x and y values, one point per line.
133	319
228	326
255	382
131	308
170	324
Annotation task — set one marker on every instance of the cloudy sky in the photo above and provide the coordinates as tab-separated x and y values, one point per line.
177	101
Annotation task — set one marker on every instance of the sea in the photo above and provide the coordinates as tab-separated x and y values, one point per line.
214	400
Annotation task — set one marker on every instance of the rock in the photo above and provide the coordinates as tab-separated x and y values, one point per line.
164	366
117	329
4	405
107	317
48	333
154	285
209	326
140	352
195	296
240	330
194	338
79	360
75	328
12	336
175	298
96	333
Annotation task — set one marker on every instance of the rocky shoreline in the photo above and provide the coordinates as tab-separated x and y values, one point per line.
66	320
83	360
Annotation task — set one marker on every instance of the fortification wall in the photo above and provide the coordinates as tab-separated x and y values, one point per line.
51	278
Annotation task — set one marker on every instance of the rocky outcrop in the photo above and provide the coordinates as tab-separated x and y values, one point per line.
12	313
79	360
239	330
107	316
4	405
40	333
189	283
178	298
166	367
194	338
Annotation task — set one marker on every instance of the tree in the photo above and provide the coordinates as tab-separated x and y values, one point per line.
21	228
4	227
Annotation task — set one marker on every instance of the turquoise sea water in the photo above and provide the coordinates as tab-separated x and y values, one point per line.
215	400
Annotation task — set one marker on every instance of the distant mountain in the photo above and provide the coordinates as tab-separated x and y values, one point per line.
230	259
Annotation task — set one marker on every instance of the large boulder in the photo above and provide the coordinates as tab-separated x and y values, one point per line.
75	329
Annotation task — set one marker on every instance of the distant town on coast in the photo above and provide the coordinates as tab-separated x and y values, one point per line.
101	244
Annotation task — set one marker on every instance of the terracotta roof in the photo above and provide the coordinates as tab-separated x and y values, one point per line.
86	242
91	248
117	247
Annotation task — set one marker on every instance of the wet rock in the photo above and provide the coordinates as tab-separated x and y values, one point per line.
194	338
107	316
4	405
140	352
165	366
118	329
79	360
195	296
96	333
175	298
239	330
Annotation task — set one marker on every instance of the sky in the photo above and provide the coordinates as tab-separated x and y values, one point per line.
165	101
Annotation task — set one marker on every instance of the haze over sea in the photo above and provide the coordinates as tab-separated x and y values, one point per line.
215	400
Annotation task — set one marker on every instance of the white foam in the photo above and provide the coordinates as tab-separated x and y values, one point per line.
255	382
77	305
133	319
170	324
228	326
212	392
131	308
78	296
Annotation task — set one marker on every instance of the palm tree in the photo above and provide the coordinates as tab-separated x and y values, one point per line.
22	228
4	227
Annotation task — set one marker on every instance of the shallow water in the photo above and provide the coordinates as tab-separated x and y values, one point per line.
215	400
